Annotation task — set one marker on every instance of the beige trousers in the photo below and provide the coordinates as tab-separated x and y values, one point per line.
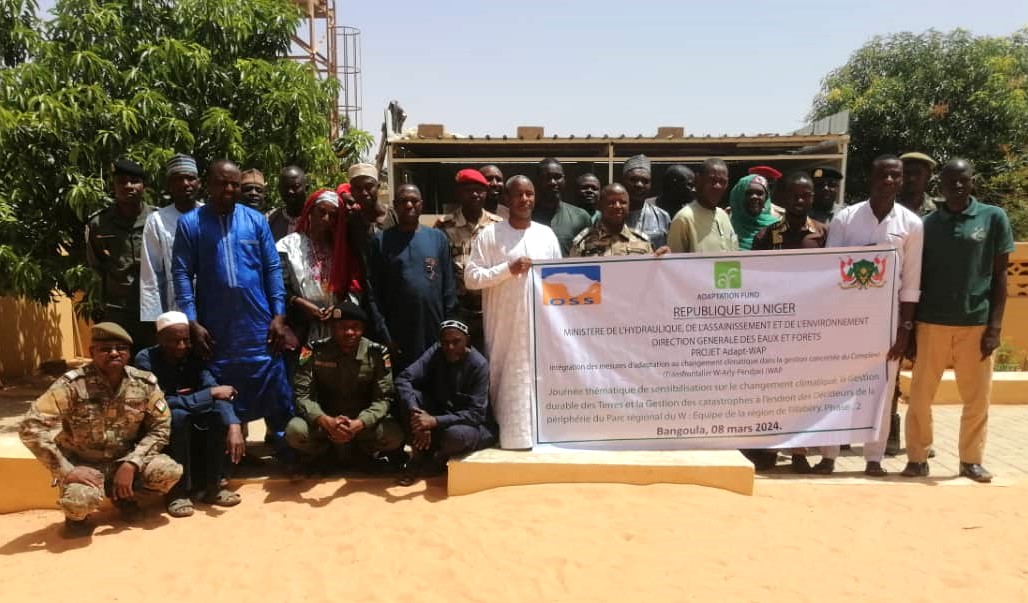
938	347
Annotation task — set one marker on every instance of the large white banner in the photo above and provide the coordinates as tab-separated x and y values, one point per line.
746	350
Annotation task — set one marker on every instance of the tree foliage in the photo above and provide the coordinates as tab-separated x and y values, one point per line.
352	146
145	79
945	94
17	31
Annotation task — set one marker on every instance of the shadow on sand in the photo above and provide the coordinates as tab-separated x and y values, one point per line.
106	523
293	490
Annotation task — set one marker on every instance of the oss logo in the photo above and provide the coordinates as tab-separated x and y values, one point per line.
571	285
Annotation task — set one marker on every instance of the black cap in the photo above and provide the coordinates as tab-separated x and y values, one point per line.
826	171
348	311
128	167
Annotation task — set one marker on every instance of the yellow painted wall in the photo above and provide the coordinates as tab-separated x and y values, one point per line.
33	333
1015	318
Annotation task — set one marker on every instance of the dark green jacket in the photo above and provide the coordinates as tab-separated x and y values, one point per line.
358	386
114	245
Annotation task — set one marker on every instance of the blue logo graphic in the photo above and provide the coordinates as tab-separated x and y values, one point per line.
571	285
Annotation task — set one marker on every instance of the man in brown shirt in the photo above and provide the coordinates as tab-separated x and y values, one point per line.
797	230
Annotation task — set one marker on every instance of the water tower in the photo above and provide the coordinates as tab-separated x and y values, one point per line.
334	51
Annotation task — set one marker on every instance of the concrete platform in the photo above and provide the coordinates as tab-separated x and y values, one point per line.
1007	388
26	482
494	468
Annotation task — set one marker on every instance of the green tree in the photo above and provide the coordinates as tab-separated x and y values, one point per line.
144	79
352	146
18	34
945	94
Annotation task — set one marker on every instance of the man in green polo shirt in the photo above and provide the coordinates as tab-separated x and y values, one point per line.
564	219
963	295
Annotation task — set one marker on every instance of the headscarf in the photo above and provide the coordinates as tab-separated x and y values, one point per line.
745	225
344	189
318	196
346	268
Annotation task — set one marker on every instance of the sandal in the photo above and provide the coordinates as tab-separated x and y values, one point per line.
223	498
180	507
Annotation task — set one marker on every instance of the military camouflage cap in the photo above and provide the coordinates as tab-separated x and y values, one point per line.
110	331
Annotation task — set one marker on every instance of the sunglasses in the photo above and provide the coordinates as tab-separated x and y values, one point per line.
107	348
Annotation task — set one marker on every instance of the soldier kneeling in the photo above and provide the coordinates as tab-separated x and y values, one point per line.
343	391
100	429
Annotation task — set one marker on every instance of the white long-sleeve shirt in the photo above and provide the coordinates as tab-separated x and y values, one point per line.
156	291
857	226
505	308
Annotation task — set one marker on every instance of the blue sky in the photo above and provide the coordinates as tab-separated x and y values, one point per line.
578	67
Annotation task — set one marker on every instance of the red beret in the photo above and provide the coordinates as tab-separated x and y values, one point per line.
343	188
766	171
471	176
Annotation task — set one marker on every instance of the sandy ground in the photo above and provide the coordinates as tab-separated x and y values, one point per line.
365	540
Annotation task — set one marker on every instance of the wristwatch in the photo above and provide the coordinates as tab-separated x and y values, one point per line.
908	325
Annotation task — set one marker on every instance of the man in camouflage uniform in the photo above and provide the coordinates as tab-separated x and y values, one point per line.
610	235
461	227
100	430
114	245
344	387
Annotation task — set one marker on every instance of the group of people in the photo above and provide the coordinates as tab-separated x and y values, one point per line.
350	339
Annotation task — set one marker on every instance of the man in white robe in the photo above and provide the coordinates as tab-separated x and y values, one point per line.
499	265
156	291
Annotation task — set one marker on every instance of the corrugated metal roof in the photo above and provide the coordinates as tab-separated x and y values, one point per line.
414	137
834	125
